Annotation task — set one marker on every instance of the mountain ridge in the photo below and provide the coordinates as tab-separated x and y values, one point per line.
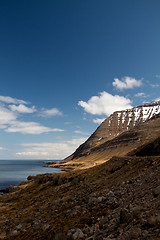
123	123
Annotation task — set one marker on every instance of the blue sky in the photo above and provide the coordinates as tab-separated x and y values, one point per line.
67	65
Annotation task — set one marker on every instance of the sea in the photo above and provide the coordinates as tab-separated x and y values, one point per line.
13	172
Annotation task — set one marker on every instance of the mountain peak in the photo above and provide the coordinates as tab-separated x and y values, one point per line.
116	124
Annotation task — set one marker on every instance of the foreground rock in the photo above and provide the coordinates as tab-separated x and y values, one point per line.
119	199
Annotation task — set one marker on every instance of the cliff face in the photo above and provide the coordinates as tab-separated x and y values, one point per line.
117	123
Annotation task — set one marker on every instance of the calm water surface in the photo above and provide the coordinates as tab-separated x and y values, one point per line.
13	172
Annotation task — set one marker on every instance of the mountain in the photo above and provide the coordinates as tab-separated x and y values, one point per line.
120	133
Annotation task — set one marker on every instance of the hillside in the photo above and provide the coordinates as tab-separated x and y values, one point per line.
116	136
119	122
118	199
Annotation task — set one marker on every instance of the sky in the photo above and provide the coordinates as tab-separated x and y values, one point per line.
65	66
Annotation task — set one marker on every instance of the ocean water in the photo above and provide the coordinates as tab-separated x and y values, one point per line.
13	172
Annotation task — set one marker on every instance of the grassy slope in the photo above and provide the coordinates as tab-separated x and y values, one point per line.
51	199
118	146
48	203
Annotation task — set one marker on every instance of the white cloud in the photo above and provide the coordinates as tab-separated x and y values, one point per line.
9	117
155	85
158	76
7	99
50	112
50	150
22	108
141	94
68	123
9	122
6	116
157	99
2	148
98	120
30	128
126	83
105	104
81	132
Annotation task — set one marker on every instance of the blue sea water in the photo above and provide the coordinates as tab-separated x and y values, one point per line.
13	172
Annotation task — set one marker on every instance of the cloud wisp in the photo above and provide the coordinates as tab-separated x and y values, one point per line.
126	83
7	99
10	111
50	150
81	132
30	128
140	94
2	148
105	104
98	120
6	116
50	112
155	85
22	108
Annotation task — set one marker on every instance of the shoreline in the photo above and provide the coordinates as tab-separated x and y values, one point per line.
9	189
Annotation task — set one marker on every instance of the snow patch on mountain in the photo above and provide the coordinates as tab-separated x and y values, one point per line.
131	117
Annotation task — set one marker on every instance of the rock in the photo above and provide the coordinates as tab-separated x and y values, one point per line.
78	234
135	233
125	216
96	227
111	199
118	192
75	211
59	236
18	227
14	232
30	177
101	199
86	230
102	222
154	220
70	233
145	233
27	221
110	237
92	200
156	191
110	195
3	235
136	211
92	230
45	227
11	189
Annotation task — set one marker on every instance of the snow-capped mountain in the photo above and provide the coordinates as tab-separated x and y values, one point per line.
117	123
126	119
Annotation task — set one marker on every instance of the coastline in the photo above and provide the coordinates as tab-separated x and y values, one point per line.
59	164
90	201
14	184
